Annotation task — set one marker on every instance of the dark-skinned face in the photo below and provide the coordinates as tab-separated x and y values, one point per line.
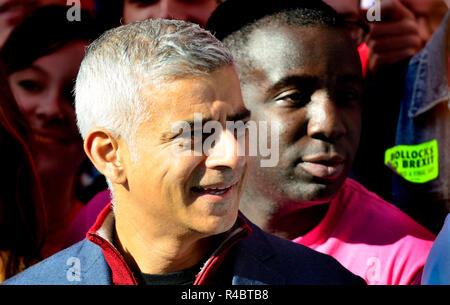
307	80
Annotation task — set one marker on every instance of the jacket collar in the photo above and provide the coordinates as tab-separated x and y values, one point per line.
102	234
257	254
431	68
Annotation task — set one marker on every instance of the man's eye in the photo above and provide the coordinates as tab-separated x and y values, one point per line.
30	85
292	98
348	96
194	135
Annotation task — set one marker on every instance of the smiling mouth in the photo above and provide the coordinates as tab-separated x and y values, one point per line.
213	190
50	137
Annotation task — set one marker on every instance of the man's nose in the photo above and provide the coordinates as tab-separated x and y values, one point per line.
225	152
324	119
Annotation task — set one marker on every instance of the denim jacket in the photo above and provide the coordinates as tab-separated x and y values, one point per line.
425	116
437	267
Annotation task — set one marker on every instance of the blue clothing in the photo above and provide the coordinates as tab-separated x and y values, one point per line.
425	116
261	259
437	267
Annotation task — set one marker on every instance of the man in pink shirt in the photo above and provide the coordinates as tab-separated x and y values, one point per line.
300	71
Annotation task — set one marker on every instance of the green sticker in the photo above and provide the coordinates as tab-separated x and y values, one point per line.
415	163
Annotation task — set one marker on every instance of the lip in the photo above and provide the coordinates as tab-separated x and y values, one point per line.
50	136
324	158
216	192
325	166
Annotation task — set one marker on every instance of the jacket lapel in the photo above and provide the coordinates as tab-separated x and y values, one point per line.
253	264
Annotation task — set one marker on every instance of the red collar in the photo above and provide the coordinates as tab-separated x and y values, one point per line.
101	234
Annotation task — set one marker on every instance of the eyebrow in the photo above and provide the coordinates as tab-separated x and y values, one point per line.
233	117
310	81
36	69
302	80
239	116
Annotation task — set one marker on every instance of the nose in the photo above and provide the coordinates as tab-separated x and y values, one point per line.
225	152
50	107
169	9
325	121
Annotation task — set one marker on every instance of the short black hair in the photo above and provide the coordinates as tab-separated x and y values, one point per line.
233	15
235	20
47	30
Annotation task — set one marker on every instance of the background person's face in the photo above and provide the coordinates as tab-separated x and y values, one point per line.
176	186
196	11
12	12
309	80
44	94
428	13
350	11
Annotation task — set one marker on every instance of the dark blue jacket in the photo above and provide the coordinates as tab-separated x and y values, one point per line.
260	259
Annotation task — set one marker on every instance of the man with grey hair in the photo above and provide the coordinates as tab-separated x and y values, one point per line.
175	218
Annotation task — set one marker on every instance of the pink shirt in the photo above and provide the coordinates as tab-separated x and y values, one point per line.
371	237
86	218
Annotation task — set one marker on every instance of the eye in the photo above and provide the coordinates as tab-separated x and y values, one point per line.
292	98
193	135
349	96
30	86
143	2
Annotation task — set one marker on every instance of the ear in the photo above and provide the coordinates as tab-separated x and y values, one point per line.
103	151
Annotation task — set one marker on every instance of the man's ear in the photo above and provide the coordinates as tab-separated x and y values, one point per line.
103	151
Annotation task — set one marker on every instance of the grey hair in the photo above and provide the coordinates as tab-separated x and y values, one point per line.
123	60
237	42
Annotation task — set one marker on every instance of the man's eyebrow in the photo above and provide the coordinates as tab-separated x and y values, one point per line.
307	81
310	82
167	135
233	117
